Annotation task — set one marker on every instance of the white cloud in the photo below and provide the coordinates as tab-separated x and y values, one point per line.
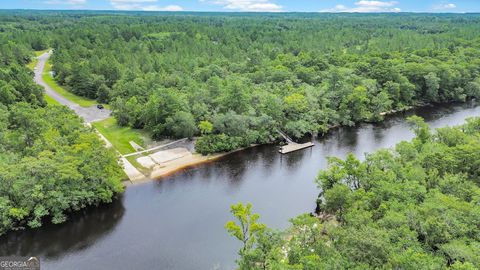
367	6
376	4
165	8
248	5
66	2
133	1
444	6
144	5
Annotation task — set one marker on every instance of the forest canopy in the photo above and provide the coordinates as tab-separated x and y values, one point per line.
247	75
233	80
416	206
50	163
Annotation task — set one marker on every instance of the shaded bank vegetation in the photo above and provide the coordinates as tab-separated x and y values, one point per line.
244	76
415	206
231	79
50	163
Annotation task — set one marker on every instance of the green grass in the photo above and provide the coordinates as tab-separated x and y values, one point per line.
38	53
120	137
50	100
133	160
32	63
34	60
82	101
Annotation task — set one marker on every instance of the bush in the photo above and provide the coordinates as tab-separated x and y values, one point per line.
218	143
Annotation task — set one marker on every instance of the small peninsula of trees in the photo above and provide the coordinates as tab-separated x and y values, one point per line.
50	163
416	206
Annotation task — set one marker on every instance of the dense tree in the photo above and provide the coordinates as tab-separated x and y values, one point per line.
432	83
205	127
182	124
300	73
414	206
50	163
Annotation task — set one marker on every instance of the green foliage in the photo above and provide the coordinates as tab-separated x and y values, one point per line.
205	127
218	143
181	125
432	83
411	207
247	229
252	235
252	74
120	137
50	163
421	129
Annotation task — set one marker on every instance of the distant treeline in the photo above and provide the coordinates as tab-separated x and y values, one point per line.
233	79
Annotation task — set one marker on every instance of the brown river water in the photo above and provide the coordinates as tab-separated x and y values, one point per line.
177	222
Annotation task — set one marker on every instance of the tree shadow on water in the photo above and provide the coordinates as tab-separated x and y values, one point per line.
229	170
83	229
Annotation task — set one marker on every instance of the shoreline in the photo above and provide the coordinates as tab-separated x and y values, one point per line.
195	159
159	172
184	163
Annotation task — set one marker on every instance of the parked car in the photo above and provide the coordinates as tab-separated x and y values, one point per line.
100	106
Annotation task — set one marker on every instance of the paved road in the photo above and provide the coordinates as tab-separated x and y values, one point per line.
90	114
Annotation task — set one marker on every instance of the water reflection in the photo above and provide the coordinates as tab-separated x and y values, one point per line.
294	159
83	229
178	222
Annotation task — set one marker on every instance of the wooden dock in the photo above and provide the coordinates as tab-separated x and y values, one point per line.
292	147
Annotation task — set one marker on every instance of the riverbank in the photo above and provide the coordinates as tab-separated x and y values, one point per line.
118	136
189	161
114	137
180	164
146	227
196	159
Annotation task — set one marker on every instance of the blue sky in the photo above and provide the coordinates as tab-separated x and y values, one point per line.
253	5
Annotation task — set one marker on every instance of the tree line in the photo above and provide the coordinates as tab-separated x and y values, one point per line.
50	163
415	206
232	80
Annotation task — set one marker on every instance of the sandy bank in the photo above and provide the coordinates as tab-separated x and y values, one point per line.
176	165
159	172
171	165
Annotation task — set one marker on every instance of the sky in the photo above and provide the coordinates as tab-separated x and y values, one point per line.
252	5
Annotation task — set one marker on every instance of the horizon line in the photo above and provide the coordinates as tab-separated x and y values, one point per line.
268	12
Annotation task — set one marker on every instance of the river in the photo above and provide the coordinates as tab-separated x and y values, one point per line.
177	223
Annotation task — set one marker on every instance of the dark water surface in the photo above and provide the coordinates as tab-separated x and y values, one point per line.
177	223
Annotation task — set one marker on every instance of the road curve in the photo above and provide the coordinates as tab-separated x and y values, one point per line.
89	114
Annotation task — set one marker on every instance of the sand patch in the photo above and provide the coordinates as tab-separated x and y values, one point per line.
165	156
